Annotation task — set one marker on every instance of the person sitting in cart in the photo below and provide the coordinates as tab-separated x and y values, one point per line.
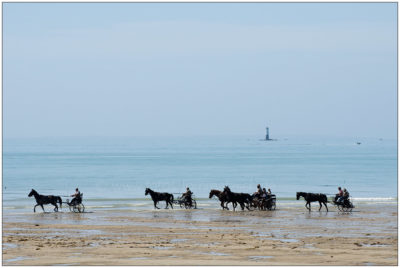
76	197
269	192
264	194
339	194
259	191
188	196
344	196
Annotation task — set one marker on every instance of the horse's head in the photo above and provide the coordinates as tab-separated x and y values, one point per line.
213	192
31	193
147	191
298	194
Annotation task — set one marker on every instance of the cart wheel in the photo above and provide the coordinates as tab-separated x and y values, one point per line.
194	204
71	208
80	208
347	209
273	207
340	207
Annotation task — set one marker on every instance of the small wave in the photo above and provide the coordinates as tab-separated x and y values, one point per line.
374	198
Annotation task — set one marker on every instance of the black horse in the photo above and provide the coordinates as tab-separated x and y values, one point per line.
310	197
45	199
243	199
168	198
222	197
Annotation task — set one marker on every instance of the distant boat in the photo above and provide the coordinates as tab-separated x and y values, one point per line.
358	143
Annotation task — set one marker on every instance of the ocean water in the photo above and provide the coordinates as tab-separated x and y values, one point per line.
114	172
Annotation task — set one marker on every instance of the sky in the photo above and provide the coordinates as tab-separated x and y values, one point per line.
190	69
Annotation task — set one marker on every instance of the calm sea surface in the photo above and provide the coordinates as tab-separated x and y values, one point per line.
114	172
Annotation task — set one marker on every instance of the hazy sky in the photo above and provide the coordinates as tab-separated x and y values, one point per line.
138	69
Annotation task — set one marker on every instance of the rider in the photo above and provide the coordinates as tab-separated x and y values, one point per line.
269	192
345	196
264	194
188	196
76	197
339	194
259	191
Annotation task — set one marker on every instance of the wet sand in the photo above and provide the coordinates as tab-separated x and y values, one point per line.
287	236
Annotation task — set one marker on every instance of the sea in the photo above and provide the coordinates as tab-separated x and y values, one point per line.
113	173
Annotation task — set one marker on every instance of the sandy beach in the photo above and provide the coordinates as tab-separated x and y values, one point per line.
287	236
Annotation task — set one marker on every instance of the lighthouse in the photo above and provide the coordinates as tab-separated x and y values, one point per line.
267	135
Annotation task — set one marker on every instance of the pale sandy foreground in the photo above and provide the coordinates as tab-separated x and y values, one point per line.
288	236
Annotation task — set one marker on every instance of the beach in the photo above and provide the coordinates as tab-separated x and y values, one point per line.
289	235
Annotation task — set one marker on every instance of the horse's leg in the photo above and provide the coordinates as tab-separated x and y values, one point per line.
155	204
226	205
56	207
42	207
34	208
320	205
242	205
170	202
326	207
222	205
309	206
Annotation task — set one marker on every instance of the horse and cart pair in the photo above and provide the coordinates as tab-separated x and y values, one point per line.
75	205
245	200
185	201
344	205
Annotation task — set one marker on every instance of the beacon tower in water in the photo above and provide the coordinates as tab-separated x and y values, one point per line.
267	135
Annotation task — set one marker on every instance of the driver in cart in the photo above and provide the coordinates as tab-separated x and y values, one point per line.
187	196
76	197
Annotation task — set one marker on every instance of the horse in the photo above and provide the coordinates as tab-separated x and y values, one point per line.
221	197
45	199
156	196
240	198
310	197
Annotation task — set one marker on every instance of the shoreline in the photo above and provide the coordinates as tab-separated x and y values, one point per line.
287	236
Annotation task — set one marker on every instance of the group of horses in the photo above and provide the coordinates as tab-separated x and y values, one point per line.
225	197
243	199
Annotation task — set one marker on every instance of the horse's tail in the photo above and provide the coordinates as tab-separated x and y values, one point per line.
59	200
171	197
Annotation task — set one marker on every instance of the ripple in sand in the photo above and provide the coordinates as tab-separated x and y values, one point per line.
177	240
21	258
256	258
288	240
375	245
9	245
163	248
215	253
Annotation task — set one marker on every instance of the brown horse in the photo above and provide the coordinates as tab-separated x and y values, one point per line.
45	199
222	197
